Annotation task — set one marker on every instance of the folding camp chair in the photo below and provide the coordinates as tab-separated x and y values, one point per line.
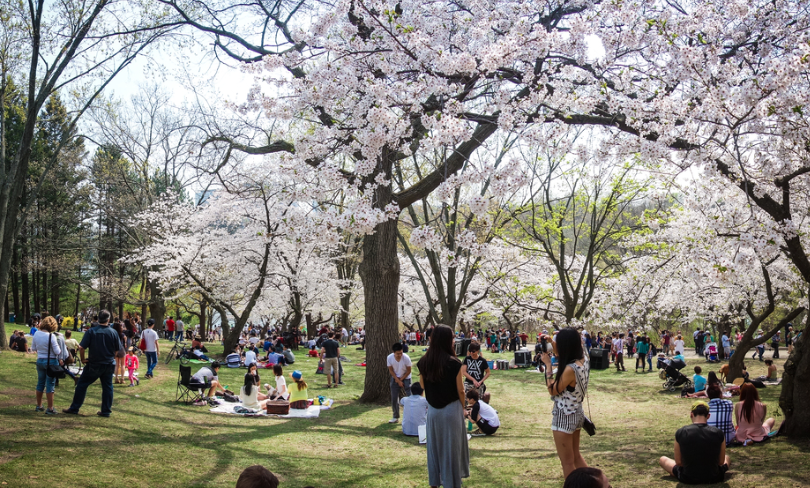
186	391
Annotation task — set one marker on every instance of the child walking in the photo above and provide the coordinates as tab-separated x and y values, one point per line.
132	363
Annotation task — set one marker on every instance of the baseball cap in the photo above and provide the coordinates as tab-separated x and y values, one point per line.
150	322
699	404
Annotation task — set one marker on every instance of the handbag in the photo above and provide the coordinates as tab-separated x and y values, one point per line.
587	425
142	344
53	371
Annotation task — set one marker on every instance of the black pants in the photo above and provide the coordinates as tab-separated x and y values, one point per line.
775	351
487	429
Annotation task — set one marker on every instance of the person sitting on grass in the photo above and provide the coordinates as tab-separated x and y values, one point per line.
289	357
257	476
313	353
416	407
484	416
207	377
720	411
299	394
280	392
750	414
772	374
699	380
713	380
250	395
586	478
700	451
198	353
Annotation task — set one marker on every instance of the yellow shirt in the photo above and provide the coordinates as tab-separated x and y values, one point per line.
296	394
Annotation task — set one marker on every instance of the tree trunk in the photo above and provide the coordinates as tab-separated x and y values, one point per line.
203	319
229	341
55	291
157	307
43	288
795	396
15	292
6	317
345	302
380	274
78	296
311	330
737	359
26	298
35	291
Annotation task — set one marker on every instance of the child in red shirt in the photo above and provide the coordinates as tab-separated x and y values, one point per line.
132	363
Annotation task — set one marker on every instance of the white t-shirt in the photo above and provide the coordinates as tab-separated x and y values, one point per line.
281	382
413	336
202	374
253	340
250	358
679	347
344	332
488	413
150	337
399	366
618	345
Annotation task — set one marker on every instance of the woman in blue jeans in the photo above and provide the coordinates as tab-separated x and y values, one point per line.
42	341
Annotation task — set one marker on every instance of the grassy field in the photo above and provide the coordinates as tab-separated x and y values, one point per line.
151	441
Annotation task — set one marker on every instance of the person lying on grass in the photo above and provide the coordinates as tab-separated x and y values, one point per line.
700	451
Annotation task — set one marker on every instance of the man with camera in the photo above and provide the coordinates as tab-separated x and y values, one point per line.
700	451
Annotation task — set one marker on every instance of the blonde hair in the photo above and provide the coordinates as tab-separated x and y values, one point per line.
49	324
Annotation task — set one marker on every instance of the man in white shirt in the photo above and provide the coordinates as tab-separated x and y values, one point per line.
250	356
150	337
618	350
399	367
207	377
344	335
178	330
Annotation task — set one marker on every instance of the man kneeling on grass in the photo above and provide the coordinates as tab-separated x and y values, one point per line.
700	451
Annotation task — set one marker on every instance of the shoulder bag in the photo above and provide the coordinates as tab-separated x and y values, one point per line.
587	425
53	371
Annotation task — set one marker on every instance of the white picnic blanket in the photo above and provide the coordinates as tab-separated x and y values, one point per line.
312	412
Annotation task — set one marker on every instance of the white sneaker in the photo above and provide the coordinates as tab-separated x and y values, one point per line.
393	420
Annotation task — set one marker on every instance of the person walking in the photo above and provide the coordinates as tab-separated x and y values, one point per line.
448	455
568	389
45	344
399	367
103	342
331	360
150	339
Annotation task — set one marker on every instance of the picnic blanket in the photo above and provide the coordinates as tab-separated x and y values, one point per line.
312	412
197	361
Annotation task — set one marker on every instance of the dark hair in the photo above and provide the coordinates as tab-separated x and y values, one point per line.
474	347
698	369
257	476
251	380
103	317
396	347
431	366
472	394
278	370
714	391
215	365
416	389
569	349
150	322
769	362
330	335
584	478
749	396
713	379
700	411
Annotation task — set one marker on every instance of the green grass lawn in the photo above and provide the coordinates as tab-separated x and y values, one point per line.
151	441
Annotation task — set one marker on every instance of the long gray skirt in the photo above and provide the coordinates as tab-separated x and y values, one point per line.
448	455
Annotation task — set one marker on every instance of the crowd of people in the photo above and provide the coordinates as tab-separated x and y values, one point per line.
450	391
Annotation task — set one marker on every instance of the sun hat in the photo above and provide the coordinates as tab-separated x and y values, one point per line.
296	375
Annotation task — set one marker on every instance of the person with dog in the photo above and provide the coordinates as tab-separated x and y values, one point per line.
700	451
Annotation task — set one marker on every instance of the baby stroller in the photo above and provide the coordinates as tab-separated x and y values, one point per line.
673	376
711	353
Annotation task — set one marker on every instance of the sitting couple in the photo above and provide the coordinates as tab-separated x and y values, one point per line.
254	399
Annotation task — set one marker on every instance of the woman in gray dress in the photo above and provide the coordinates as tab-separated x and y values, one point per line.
440	375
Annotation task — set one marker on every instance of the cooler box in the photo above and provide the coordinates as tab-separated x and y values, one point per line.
523	359
600	358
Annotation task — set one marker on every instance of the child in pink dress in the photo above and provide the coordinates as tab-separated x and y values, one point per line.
132	363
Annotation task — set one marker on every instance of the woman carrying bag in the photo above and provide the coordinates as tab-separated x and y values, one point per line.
46	346
568	389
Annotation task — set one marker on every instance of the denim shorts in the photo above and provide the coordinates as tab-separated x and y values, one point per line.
44	383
